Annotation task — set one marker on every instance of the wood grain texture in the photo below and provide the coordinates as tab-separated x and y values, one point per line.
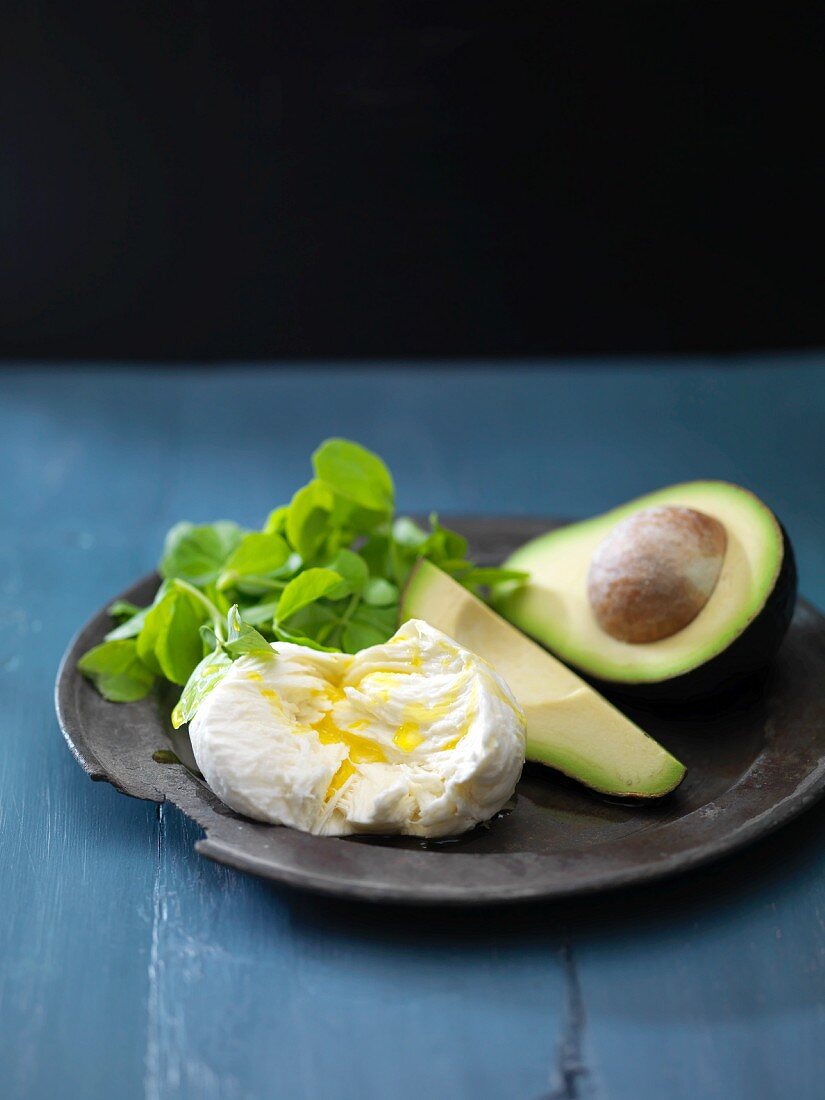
125	958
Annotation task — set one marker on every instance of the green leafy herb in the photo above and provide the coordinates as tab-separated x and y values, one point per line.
325	572
306	588
123	609
236	639
242	639
307	519
296	637
116	671
169	642
379	592
353	571
276	521
254	563
129	628
260	614
205	676
354	473
197	554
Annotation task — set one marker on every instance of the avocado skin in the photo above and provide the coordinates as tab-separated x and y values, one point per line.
749	654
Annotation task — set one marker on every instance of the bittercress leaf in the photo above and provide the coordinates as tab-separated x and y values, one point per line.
379	592
297	638
353	569
307	519
117	671
206	675
253	563
325	572
170	641
130	628
306	588
198	553
276	521
359	635
242	638
354	473
123	609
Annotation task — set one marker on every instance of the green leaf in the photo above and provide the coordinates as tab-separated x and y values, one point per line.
356	474
130	628
116	671
384	619
254	561
307	521
276	521
260	614
369	626
198	554
406	532
218	599
206	675
170	642
354	571
444	544
379	592
376	553
123	609
444	547
297	638
314	620
243	638
306	588
360	635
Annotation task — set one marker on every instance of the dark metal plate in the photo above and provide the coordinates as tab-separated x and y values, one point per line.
753	762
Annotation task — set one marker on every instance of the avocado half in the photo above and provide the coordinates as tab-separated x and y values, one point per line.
569	725
736	633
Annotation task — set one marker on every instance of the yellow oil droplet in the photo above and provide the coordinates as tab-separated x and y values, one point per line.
360	750
379	685
254	676
345	770
408	736
335	692
430	712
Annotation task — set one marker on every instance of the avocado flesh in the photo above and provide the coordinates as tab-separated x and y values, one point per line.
553	607
569	725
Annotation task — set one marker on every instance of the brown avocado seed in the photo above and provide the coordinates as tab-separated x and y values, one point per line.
654	572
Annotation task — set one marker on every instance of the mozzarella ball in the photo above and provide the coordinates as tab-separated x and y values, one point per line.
417	736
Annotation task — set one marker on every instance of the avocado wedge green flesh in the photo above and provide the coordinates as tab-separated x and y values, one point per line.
569	725
737	632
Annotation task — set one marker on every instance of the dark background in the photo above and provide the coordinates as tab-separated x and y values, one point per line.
251	180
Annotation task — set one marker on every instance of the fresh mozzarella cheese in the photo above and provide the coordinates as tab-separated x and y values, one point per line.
416	736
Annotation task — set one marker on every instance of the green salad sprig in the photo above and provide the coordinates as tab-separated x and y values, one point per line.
325	571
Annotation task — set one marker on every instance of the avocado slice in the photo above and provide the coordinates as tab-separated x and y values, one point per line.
736	632
569	725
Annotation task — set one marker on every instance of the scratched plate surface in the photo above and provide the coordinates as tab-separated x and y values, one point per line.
753	763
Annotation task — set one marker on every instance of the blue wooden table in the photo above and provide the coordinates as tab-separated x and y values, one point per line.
131	967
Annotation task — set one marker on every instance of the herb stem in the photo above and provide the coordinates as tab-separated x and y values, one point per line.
215	615
340	623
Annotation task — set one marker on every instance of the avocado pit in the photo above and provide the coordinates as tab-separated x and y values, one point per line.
654	572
